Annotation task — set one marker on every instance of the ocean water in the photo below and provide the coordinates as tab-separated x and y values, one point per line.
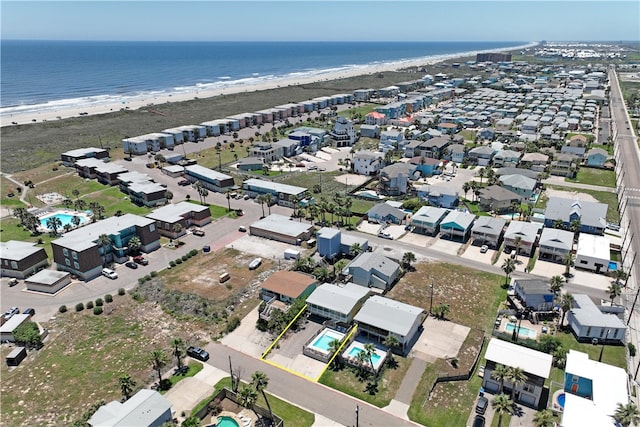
45	75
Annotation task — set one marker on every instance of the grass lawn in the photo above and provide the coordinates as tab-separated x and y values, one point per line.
209	157
592	176
192	369
612	354
10	229
65	184
605	147
115	200
345	380
42	173
497	422
605	197
269	173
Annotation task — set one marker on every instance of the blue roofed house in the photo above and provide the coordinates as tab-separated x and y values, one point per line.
534	294
442	197
592	215
384	212
427	220
596	157
521	185
457	225
332	243
487	134
374	270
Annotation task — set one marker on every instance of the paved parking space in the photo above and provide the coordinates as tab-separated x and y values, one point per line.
246	338
548	269
592	280
417	239
439	339
521	261
262	247
447	246
473	252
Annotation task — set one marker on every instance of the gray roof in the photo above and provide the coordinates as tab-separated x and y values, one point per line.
588	314
282	225
206	172
367	154
489	225
350	240
591	214
134	176
101	166
398	168
389	315
533	286
15	321
527	231
483	149
375	262
339	298
173	168
429	214
462	219
146	187
84	237
175	212
142	409
557	238
274	186
327	233
15	250
518	181
597	151
47	277
384	209
83	151
495	192
251	161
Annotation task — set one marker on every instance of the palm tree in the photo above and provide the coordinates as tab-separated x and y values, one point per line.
369	350
76	193
391	342
260	382
566	304
516	377
544	418
67	203
53	224
104	242
481	173
568	260
79	205
502	405
517	242
619	275
178	351
466	187
627	414
248	396
614	290
228	196
75	220
177	228
127	384
269	200
32	223
508	267
355	249
555	285
500	373
558	223
158	361
334	345
261	200
134	244
407	259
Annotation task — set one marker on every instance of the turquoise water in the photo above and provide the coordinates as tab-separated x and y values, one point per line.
375	358
64	218
561	399
523	331
227	422
323	341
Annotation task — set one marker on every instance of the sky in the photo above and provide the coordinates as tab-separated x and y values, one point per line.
321	20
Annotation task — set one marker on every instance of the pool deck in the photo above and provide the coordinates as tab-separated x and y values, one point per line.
524	324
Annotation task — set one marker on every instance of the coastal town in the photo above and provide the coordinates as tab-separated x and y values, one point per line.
456	246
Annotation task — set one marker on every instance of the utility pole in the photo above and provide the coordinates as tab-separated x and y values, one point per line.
357	416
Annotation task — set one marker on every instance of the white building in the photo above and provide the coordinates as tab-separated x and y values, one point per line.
593	253
367	162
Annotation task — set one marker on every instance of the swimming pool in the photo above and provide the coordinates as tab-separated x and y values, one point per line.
322	342
355	351
561	399
64	217
526	332
351	353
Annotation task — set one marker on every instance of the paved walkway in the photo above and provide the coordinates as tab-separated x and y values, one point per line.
410	381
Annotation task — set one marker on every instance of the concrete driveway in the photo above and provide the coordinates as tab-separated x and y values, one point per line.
473	252
548	269
447	246
439	339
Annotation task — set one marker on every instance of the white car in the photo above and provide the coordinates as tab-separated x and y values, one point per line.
484	249
385	236
255	263
107	272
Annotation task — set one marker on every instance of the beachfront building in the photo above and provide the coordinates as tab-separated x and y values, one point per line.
209	178
337	302
150	143
381	317
283	194
282	228
588	321
21	259
173	220
105	173
593	253
145	408
534	294
535	364
343	132
394	179
83	252
373	270
142	190
187	133
70	157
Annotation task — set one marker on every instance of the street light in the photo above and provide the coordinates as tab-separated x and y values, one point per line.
431	299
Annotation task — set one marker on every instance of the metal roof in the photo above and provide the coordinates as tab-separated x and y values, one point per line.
339	298
175	212
15	250
142	409
588	314
529	360
389	315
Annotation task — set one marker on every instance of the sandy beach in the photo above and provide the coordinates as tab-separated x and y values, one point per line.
134	103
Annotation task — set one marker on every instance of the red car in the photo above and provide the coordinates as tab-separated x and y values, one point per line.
140	260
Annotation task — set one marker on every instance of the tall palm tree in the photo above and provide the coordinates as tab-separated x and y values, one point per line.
407	259
158	361
558	223
500	373
566	304
227	194
177	228
544	418
614	291
32	223
104	242
369	350
53	224
502	405
261	200
516	377
355	249
568	260
127	384
260	382
269	200
76	193
75	220
555	285
627	414
481	173
67	203
391	342
508	267
79	205
178	350
466	187
248	396
517	242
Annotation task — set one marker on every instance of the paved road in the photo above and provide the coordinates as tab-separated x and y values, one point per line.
314	397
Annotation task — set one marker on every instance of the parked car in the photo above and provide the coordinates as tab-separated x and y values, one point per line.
131	264
183	182
107	272
242	228
30	311
482	405
484	249
255	263
385	235
206	248
140	260
13	282
246	197
479	421
198	232
197	353
10	312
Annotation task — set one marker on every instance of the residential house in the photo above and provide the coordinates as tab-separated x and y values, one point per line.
370	131
588	321
332	243
498	199
337	302
375	118
426	166
593	253
488	230
591	215
391	138
174	220
527	233
145	408
208	178
21	259
385	213
447	128
367	162
564	165
427	220
519	184
535	364
250	164
442	197
381	317
592	391
481	155
70	157
374	270
555	244
282	229
434	147
282	194
394	179
105	173
343	132
504	125
534	294
506	158
457	153
268	151
282	288
457	225
596	158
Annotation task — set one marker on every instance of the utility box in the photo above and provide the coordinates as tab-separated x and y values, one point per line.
16	356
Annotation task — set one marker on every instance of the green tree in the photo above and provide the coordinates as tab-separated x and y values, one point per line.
76	193
158	361
178	351
500	373
517	243
614	291
248	396
466	187
516	377
261	200
355	249
269	200
391	342
177	228
127	384
134	245
79	205
54	224
407	259
566	304
191	421
227	194
32	223
627	414
28	334
104	242
555	285
75	220
568	261
502	405
260	382
441	311
508	267
544	418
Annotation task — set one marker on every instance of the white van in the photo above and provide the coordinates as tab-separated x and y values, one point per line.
224	277
107	272
291	254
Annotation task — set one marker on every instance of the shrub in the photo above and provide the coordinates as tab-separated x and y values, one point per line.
99	302
121	291
97	310
178	261
632	349
89	305
63	309
184	257
140	280
153	273
108	298
172	264
147	278
193	252
79	306
233	323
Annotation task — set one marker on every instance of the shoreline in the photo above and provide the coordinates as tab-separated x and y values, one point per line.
155	99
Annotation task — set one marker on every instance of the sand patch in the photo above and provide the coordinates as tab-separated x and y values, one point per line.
351	179
575	195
